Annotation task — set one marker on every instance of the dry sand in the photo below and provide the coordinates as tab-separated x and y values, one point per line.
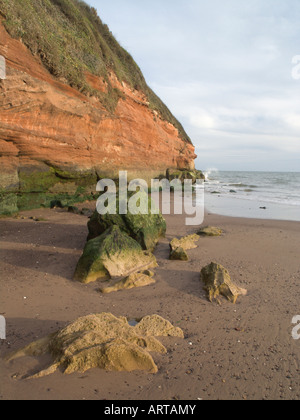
242	351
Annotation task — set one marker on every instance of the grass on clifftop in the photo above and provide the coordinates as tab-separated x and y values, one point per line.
70	39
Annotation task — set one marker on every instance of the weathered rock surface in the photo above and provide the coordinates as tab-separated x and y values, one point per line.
113	254
155	325
179	247
217	282
146	229
191	174
56	142
210	231
132	281
103	341
179	254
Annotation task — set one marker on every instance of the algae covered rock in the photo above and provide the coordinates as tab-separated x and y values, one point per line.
113	254
132	281
103	341
179	254
8	204
155	325
146	229
179	247
183	174
210	231
217	282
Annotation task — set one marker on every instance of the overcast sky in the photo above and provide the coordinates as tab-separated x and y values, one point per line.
224	68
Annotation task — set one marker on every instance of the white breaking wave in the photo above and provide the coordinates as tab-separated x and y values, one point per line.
280	188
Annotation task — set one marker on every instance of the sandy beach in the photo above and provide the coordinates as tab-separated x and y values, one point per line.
243	351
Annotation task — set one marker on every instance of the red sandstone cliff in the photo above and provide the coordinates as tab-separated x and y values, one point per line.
45	122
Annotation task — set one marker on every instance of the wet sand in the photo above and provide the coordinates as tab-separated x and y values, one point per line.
242	351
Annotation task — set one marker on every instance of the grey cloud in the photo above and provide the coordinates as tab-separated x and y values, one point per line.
224	69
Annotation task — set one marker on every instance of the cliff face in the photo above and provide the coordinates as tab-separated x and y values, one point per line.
55	142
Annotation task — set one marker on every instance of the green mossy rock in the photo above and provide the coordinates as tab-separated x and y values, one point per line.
185	174
217	282
113	254
179	254
146	229
156	326
36	180
38	186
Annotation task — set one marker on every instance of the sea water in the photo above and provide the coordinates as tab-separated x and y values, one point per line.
263	195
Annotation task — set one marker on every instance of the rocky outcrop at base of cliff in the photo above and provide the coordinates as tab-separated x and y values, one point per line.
55	143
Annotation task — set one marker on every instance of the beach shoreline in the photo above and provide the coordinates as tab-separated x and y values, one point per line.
242	351
237	207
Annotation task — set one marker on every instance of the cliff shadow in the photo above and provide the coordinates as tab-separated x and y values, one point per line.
57	262
45	233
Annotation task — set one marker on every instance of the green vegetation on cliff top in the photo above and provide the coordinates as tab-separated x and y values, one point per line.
71	39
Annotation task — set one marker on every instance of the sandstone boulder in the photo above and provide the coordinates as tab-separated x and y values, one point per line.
102	341
210	231
217	282
179	247
130	282
113	254
179	254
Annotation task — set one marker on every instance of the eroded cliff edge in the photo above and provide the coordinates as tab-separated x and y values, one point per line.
57	138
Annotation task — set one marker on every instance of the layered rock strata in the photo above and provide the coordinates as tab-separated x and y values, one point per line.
55	142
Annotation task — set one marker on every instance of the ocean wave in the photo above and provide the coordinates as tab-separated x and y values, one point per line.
276	188
279	193
261	198
210	171
239	185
